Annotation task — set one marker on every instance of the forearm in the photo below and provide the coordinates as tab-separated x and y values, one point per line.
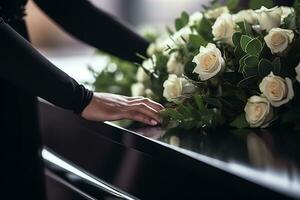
26	68
95	27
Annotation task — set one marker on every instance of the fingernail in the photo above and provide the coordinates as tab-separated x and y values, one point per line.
153	122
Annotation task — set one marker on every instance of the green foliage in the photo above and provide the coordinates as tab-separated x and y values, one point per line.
239	122
195	114
249	82
204	29
221	99
256	4
188	71
264	67
245	39
196	41
236	38
182	21
232	4
245	28
159	75
213	4
250	66
290	22
296	7
276	66
253	47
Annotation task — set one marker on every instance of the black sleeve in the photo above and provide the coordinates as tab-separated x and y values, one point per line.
95	27
24	67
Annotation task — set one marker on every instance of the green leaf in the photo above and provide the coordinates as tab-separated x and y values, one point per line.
290	22
296	7
241	25
251	61
264	67
182	21
250	67
236	38
245	39
238	52
197	40
248	28
185	110
256	4
253	47
232	4
232	77
174	114
205	29
213	102
242	63
240	122
249	82
266	52
250	71
199	102
188	71
178	24
185	18
276	66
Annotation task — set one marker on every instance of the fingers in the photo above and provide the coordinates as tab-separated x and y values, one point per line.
158	107
136	116
145	110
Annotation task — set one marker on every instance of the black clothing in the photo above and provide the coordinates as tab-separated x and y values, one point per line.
25	74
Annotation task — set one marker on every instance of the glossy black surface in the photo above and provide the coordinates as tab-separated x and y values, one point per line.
270	158
152	164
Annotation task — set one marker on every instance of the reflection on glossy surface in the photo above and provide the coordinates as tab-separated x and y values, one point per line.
75	173
266	157
150	163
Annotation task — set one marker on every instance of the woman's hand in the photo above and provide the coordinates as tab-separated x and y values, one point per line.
110	107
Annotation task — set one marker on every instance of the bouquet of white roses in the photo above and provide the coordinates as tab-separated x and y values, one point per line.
226	66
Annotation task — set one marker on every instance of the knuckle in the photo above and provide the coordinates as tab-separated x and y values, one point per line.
146	100
141	105
130	107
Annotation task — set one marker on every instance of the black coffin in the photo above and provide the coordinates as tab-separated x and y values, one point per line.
89	160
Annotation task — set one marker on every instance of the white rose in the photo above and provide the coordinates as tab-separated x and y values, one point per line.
141	75
180	37
174	65
286	11
209	62
278	39
150	63
297	69
137	89
269	18
195	18
223	28
172	88
187	87
258	112
276	89
158	46
215	13
245	15
151	49
175	86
